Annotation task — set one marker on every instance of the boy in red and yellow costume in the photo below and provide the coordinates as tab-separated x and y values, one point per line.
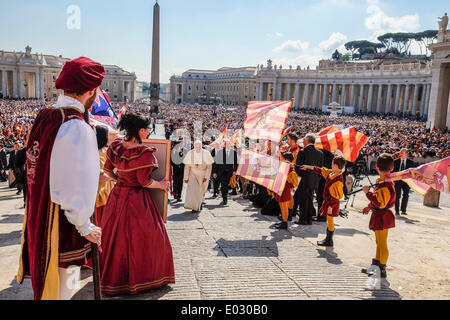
332	194
382	199
286	198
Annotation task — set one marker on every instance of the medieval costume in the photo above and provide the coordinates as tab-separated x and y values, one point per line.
104	189
286	199
333	192
137	255
382	219
197	171
62	175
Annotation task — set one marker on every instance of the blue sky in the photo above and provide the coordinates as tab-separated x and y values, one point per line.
208	34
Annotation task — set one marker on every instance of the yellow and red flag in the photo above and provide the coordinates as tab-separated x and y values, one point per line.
264	170
348	141
435	175
328	130
266	120
237	139
222	136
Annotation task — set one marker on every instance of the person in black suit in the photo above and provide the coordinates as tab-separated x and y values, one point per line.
215	181
3	164
225	167
178	154
402	164
327	163
16	169
309	180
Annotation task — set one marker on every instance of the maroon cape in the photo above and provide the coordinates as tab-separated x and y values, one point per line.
137	255
40	210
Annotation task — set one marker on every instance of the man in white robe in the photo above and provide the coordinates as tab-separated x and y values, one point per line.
197	173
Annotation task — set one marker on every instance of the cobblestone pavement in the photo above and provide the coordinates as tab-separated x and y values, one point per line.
231	253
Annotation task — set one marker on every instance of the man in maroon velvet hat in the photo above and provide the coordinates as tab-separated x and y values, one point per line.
62	176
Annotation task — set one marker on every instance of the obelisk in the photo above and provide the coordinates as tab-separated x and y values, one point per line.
155	85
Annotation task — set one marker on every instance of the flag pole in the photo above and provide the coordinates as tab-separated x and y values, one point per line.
96	272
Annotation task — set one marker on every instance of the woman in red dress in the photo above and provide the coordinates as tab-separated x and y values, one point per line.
137	255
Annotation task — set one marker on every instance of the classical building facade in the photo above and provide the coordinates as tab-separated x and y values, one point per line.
28	75
230	86
387	86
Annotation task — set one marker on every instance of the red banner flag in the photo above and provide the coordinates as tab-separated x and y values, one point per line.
266	120
348	141
328	130
434	175
263	170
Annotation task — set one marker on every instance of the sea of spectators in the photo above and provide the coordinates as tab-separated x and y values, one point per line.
387	133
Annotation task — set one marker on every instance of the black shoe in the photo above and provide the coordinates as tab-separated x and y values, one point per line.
225	202
214	195
281	226
404	213
19	192
234	193
375	263
383	273
397	213
328	242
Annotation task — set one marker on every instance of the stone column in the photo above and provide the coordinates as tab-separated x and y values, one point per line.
41	77
397	98
424	96
289	92
416	97
379	98
427	100
307	96
38	85
333	93
316	97
352	96
344	95
325	94
275	91
369	99
15	88
388	99
297	96
406	100
261	91
4	83
361	98
21	86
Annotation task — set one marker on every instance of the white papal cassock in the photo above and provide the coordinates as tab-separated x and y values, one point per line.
198	167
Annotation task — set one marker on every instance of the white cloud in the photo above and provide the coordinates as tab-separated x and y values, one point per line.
292	46
335	41
380	23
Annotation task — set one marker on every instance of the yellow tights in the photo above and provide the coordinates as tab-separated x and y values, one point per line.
382	246
330	223
284	206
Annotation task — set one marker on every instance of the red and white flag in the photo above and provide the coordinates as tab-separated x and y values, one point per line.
348	141
237	139
122	111
328	130
264	170
222	136
266	120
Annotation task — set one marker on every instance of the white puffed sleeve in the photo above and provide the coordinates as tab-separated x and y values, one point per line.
75	173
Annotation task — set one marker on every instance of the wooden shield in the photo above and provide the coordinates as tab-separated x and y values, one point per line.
162	155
